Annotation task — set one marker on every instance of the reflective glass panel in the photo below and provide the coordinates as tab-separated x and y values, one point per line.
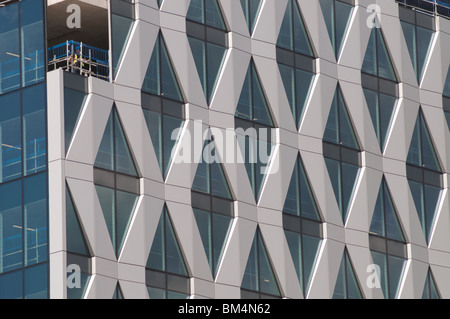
34	129
35	219
36	282
73	102
11	226
121	29
10	137
10	48
33	55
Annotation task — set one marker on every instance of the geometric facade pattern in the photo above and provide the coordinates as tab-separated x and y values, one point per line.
122	272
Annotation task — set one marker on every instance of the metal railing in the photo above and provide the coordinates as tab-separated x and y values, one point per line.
12	248
35	156
435	7
19	70
88	61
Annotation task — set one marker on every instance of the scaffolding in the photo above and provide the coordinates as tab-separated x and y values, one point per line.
434	7
79	58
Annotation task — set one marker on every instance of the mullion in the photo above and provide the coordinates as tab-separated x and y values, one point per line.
376	57
415	50
384	214
386	245
165	253
23	155
423	178
258	263
115	178
161	109
301	229
161	82
341	178
292	25
334	24
252	111
346	274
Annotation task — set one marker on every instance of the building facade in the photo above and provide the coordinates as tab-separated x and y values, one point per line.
224	149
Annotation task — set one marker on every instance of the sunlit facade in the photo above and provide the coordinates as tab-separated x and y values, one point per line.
117	178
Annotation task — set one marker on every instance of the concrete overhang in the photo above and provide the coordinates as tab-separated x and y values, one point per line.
94	22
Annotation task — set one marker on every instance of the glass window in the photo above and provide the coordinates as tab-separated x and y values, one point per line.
10	137
10	48
213	208
339	129
125	205
259	276
165	254
32	32
385	233
161	127
118	292
299	199
297	84
105	155
418	40
381	108
36	282
447	118
206	12
426	198
430	290
253	123
447	84
118	208
347	286
121	29
341	152
166	275
213	229
343	178
34	129
377	61
114	153
207	37
208	59
75	239
426	182
391	271
107	201
163	115
160	78
293	35
296	71
124	162
35	219
251	10
11	285
78	293
22	46
11	226
73	103
196	11
337	16
379	85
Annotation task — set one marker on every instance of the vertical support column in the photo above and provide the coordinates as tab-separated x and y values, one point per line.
56	179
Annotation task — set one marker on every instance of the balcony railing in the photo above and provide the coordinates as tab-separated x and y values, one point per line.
88	61
12	248
435	7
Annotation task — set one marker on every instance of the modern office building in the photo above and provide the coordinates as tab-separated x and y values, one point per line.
224	149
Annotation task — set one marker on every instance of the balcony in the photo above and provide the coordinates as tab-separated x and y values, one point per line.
79	58
90	36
